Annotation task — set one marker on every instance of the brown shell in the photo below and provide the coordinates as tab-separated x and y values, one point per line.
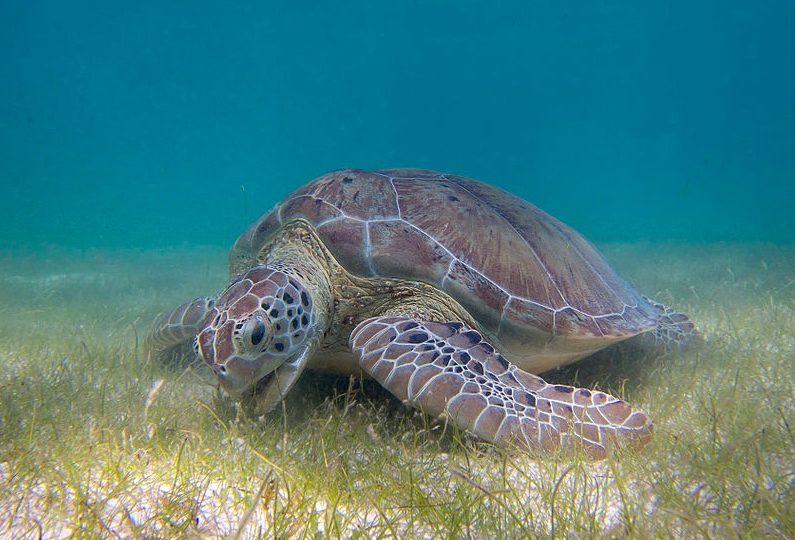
501	257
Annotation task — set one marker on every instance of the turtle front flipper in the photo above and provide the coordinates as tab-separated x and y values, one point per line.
171	337
447	369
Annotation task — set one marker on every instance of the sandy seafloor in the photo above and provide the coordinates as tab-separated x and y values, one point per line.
734	292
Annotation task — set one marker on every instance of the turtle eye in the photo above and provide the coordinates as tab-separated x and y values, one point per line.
254	335
257	332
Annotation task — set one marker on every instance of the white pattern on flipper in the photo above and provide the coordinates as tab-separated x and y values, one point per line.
551	412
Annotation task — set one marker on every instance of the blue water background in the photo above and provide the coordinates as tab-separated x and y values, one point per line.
150	124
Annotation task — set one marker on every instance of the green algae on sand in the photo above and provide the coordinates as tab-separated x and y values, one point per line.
95	439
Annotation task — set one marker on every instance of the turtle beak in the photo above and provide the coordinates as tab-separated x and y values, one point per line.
238	374
274	386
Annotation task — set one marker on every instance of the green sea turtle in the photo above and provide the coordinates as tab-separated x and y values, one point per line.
447	291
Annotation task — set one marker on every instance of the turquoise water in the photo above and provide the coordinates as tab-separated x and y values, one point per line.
139	139
153	124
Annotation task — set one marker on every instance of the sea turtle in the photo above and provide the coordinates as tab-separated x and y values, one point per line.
447	291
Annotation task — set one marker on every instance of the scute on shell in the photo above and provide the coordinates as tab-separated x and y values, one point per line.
502	258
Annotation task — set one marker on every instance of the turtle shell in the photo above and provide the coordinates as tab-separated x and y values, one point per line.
513	266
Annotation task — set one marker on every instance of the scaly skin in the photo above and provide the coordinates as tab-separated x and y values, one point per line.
447	369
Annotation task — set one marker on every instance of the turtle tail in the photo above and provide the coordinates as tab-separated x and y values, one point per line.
674	330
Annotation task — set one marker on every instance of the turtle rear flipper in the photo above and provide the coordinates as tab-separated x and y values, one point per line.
448	370
674	330
171	338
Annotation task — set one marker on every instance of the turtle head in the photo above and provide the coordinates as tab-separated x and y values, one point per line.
262	323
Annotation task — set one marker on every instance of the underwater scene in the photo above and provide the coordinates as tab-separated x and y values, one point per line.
397	269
